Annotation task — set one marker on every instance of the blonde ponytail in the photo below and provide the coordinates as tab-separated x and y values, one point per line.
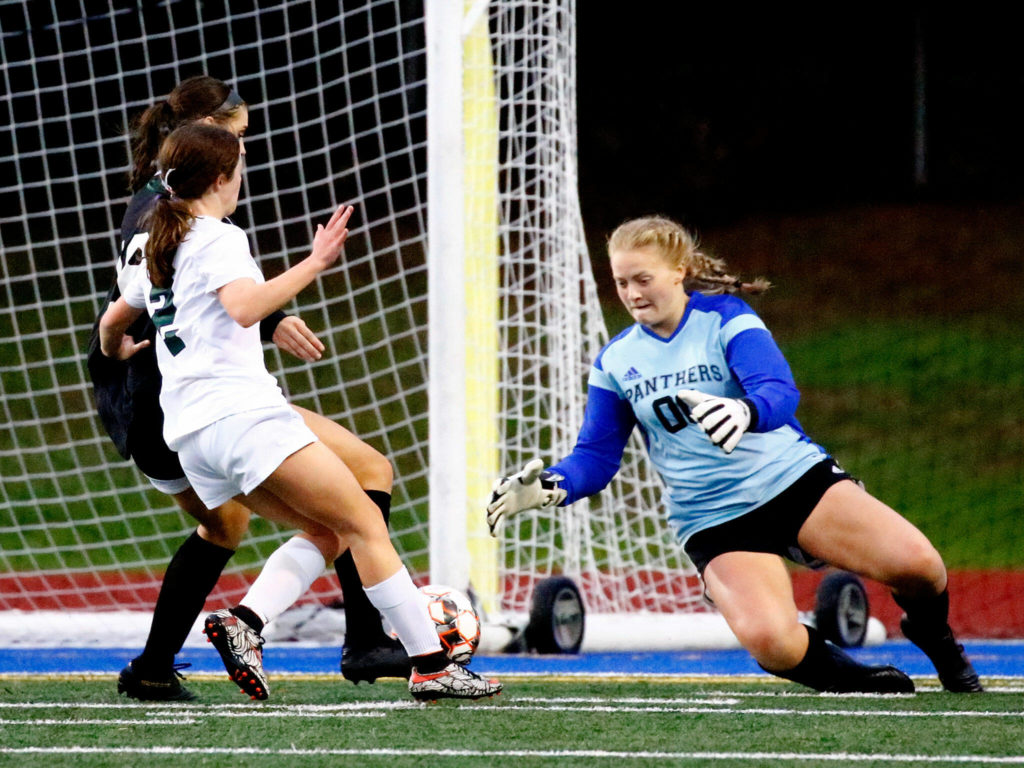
679	248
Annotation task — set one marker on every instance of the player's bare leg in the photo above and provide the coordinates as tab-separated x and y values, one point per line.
755	595
855	531
367	652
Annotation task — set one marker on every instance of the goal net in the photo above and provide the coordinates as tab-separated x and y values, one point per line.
339	97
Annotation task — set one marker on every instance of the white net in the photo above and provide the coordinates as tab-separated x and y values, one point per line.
338	98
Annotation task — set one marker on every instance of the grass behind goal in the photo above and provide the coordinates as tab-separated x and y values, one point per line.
535	722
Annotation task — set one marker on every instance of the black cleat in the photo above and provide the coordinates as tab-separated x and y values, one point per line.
880	679
956	673
166	687
388	659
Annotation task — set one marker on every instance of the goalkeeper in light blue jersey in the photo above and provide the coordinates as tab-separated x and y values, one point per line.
702	377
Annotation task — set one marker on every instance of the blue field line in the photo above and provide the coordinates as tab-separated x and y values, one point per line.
990	658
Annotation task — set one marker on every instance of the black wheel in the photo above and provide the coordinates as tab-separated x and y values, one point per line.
842	610
556	617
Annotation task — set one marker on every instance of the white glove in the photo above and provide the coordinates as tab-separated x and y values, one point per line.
530	488
724	419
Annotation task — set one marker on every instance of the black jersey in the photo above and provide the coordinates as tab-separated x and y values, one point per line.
123	386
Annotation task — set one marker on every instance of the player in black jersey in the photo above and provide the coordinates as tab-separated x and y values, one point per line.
127	397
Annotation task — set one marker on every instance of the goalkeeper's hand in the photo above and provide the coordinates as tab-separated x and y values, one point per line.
724	419
530	488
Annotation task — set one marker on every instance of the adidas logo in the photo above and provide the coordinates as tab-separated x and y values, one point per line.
632	374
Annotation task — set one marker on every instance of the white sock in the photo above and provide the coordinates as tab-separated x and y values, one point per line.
288	573
405	608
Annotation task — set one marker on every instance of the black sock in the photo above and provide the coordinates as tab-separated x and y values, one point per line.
188	581
824	667
362	620
429	663
927	614
249	617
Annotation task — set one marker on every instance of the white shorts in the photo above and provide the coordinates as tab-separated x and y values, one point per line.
237	453
170	487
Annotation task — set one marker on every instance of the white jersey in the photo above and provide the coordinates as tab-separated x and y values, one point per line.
212	367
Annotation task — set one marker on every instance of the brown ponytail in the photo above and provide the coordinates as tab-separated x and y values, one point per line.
191	160
192	99
678	247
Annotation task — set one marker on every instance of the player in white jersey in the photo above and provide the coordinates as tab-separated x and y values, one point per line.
235	433
127	396
701	376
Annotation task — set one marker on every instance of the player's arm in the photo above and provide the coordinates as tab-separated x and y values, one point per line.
248	302
759	366
770	394
607	423
114	342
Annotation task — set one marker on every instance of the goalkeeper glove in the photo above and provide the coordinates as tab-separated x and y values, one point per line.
724	419
531	488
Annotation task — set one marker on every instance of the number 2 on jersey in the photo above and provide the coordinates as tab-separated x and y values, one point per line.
162	302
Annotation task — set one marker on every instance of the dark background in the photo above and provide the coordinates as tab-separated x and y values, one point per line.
715	115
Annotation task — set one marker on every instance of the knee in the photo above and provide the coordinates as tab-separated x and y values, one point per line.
772	645
226	526
920	570
330	544
380	475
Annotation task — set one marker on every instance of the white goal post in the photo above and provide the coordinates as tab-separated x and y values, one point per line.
459	327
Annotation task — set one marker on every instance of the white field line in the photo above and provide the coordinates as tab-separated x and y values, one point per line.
757	757
748	711
73	722
687	705
175	708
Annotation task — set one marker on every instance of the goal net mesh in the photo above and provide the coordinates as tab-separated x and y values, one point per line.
337	96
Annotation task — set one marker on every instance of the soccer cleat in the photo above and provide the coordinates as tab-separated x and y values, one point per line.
388	659
872	679
241	649
956	673
452	682
155	688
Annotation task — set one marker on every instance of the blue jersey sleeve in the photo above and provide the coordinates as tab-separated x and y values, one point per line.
757	362
608	422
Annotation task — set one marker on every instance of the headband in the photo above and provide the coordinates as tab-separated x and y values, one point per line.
232	101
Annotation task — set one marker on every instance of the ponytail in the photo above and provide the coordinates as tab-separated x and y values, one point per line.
676	245
192	158
169	222
148	132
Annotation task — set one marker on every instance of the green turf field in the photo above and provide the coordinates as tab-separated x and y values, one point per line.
536	721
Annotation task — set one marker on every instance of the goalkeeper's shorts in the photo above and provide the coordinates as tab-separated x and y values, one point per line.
772	527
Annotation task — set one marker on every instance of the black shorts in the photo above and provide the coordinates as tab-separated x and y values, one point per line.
128	401
145	439
772	527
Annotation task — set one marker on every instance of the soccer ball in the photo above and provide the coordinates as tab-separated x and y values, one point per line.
458	625
457	622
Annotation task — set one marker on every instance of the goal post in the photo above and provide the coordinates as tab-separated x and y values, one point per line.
459	325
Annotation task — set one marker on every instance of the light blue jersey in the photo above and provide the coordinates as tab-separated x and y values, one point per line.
721	347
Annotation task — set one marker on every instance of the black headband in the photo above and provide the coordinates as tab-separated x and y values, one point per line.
232	101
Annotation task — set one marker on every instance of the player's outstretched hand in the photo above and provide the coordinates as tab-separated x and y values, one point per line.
127	348
530	488
293	336
724	419
329	240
